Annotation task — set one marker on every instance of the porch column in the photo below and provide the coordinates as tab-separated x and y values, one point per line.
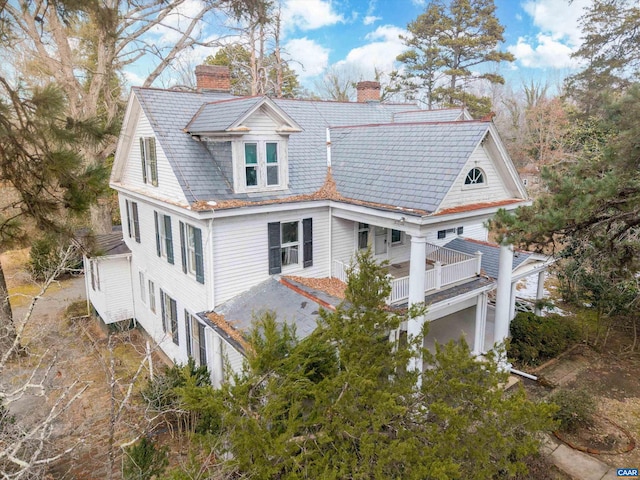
503	294
218	362
512	302
481	324
540	292
417	274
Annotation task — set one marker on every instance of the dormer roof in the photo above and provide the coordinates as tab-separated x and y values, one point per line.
228	117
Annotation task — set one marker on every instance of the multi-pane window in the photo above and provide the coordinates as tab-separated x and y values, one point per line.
261	164
133	222
450	231
191	247
196	341
149	160
396	237
363	235
289	243
143	285
164	237
474	177
169	316
272	163
152	296
251	164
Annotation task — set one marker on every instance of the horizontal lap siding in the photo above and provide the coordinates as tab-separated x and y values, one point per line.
182	287
344	240
261	123
168	186
241	250
115	281
493	190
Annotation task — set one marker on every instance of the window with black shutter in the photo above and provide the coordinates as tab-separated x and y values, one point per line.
135	221
307	240
191	251
275	258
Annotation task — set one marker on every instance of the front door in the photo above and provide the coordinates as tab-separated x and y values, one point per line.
380	242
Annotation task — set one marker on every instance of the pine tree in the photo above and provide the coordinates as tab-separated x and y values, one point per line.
448	47
341	403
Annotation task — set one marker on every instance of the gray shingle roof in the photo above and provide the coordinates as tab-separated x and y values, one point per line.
219	116
490	254
442	115
410	165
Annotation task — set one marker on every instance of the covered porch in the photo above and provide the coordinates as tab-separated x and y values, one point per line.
443	267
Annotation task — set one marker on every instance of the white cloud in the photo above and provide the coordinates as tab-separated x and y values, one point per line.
380	54
132	78
546	53
559	19
558	37
170	31
309	14
306	57
369	19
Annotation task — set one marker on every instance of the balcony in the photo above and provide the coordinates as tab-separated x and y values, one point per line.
444	267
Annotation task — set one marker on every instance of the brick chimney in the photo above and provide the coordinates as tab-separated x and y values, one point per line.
368	91
213	78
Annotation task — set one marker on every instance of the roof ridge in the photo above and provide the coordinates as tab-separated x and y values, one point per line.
404	124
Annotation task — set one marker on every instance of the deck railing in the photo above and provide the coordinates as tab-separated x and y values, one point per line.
449	267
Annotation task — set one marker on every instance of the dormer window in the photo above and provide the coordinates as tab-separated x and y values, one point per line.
149	160
474	177
262	164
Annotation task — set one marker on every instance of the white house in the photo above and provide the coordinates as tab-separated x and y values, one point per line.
229	203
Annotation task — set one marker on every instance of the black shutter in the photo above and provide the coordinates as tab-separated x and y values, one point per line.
169	238
307	242
275	255
163	312
153	161
197	241
174	321
158	249
187	329
126	205
203	344
136	221
143	160
183	248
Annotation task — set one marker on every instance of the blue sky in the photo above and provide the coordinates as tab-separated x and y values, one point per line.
360	35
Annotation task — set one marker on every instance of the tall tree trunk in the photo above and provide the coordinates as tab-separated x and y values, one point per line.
7	327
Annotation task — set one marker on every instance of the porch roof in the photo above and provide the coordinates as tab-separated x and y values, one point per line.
293	302
448	293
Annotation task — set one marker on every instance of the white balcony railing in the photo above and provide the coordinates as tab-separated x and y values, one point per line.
449	267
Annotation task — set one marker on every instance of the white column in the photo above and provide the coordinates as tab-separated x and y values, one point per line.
481	324
218	362
540	291
503	294
417	274
512	302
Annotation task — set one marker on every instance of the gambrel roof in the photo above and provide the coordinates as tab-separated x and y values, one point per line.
393	155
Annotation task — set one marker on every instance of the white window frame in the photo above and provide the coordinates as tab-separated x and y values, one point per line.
362	227
289	245
240	165
195	327
482	184
150	167
190	249
163	235
143	290
397	242
152	296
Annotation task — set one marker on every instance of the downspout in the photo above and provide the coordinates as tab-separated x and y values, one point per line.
212	291
135	317
524	374
330	208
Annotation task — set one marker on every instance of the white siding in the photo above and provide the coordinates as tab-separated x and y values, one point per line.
113	298
343	241
182	287
168	186
261	123
241	256
493	190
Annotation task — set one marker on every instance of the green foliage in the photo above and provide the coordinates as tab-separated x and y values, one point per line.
161	391
144	460
575	409
448	43
342	403
535	339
